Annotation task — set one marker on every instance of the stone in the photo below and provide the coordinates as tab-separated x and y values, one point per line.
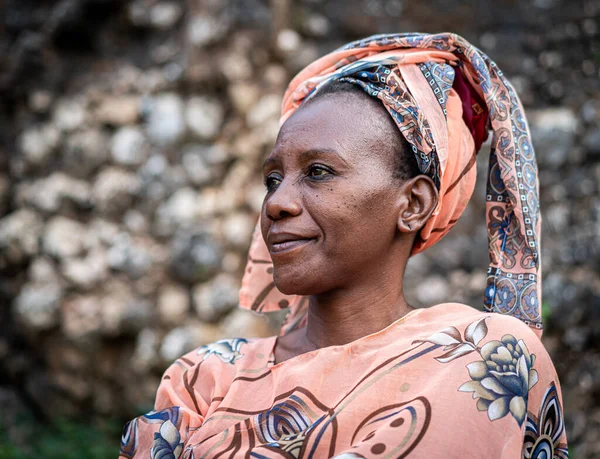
43	271
130	256
553	133
591	142
82	317
165	15
114	190
173	304
268	108
129	146
243	96
196	170
182	340
85	151
212	300
434	290
69	113
37	306
182	209
135	221
38	144
207	29
88	271
63	238
204	116
195	256
241	323
288	41
53	193
237	229
166	122
40	101
20	232
146	350
118	111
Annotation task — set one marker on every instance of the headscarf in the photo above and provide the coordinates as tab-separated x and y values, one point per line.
443	94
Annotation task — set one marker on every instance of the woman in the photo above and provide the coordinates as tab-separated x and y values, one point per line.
374	163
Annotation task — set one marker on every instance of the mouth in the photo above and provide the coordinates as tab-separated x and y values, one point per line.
281	247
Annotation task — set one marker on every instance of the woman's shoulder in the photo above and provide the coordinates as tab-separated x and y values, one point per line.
461	315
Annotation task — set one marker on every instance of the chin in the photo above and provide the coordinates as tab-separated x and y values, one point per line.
290	281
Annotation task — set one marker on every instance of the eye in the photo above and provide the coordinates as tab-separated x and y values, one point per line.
318	171
272	181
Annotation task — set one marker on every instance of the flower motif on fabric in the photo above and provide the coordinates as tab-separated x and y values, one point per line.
167	442
502	380
543	433
228	350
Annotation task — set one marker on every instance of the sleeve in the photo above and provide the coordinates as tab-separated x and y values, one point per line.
178	410
544	434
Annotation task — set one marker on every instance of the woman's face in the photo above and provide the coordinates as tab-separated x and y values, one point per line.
329	216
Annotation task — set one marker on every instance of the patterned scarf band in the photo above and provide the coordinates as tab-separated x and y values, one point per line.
444	95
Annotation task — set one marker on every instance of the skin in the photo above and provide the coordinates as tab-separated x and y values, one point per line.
330	182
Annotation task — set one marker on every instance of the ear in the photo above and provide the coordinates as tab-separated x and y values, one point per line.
418	200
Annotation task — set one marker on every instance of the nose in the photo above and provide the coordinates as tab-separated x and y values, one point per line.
285	201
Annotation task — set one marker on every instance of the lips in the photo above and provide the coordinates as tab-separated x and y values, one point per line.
279	243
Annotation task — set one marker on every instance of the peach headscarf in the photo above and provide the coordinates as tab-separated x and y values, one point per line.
443	94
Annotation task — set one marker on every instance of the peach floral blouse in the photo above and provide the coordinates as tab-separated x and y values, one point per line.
446	381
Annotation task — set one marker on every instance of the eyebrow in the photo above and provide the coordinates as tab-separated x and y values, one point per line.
308	154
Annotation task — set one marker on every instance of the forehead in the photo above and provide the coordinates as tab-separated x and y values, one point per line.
347	123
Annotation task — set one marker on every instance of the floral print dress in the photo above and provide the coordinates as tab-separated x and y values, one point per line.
447	381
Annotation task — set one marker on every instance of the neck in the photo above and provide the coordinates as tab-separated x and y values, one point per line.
341	317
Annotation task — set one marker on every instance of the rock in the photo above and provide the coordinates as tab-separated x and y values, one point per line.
129	146
122	311
237	229
197	171
118	111
195	256
245	324
591	142
166	123
244	96
88	271
69	114
42	271
180	210
267	109
553	133
165	15
135	221
207	29
85	151
173	304
146	350
37	306
20	232
52	193
133	257
40	101
82	317
64	238
38	144
288	41
182	340
114	190
204	116
214	299
434	289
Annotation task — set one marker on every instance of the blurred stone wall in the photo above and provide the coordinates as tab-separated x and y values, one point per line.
133	133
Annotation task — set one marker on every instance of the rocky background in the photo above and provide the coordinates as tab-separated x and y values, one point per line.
132	135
